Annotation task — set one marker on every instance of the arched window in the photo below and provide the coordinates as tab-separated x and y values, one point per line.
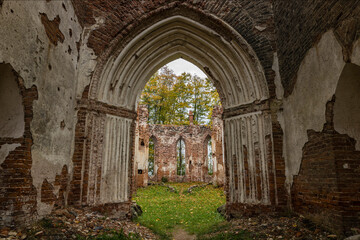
151	160
210	161
180	155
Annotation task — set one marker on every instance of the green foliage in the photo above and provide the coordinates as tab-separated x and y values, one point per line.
169	98
195	212
164	179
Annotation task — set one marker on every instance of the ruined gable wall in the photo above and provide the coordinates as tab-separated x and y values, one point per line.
166	138
39	43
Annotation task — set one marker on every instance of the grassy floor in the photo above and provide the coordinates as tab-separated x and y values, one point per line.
195	212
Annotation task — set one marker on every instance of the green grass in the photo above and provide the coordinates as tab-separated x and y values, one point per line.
195	212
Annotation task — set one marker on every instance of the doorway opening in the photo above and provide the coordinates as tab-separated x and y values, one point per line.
179	104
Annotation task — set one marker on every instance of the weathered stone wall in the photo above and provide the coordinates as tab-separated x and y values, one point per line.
166	138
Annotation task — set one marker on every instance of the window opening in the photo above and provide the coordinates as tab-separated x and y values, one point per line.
180	157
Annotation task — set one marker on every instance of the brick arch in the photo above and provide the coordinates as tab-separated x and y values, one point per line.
212	45
107	109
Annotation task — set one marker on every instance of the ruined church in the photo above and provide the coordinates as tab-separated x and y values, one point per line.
287	72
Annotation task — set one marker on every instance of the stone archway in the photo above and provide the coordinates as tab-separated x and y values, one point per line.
107	111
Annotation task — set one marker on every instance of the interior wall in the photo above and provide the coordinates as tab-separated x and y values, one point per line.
39	40
321	121
11	107
347	103
304	109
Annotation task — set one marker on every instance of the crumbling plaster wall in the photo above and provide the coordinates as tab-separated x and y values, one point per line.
39	40
141	146
304	109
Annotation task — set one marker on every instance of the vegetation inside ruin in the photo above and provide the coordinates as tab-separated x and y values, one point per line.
164	209
170	97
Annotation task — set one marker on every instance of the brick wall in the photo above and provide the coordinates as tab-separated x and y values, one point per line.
166	138
326	189
18	195
87	184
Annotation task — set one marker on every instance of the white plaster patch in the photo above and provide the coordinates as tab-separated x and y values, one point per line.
6	149
279	88
43	209
355	57
87	60
304	109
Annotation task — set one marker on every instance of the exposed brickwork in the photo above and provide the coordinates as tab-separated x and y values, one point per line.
62	182
17	194
55	193
47	192
166	138
273	151
87	158
52	29
300	24
114	210
327	186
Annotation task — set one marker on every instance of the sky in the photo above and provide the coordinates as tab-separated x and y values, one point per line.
180	65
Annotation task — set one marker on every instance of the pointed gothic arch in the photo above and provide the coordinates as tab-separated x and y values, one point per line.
232	65
180	157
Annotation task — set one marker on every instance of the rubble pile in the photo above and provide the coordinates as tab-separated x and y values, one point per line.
84	223
74	223
272	226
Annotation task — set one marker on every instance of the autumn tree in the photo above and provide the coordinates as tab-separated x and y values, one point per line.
169	98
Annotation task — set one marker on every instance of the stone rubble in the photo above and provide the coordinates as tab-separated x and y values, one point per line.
73	223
